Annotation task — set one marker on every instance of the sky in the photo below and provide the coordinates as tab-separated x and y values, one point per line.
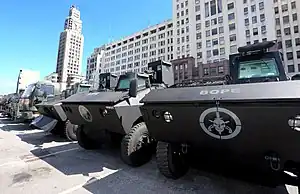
30	29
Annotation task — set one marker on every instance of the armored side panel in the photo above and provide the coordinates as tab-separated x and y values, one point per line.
236	122
104	111
163	72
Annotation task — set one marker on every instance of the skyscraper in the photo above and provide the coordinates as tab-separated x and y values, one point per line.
69	59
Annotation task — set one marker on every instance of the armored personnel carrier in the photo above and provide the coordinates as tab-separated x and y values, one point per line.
249	122
114	115
53	118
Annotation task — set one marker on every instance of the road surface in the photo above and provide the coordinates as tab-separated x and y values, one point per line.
34	162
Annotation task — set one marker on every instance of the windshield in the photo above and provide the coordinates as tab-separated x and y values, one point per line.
84	88
28	91
258	68
48	89
124	84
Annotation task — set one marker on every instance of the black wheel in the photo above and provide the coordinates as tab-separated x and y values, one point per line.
170	160
70	131
136	146
84	141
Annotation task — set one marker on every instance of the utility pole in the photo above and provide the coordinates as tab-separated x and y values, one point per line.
17	93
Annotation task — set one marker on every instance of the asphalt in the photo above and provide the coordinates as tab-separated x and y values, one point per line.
34	162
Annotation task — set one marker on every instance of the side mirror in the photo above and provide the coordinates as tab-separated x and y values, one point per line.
133	88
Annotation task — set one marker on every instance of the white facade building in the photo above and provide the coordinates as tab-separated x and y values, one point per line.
95	63
69	59
51	77
211	30
133	53
287	19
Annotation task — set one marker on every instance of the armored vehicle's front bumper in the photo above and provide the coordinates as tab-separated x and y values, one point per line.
52	110
248	128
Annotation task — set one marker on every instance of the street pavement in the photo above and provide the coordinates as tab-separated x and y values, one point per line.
34	162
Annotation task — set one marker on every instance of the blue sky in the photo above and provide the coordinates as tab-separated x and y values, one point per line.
30	30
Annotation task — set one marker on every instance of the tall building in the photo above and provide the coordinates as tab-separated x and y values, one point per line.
287	19
69	59
211	30
134	52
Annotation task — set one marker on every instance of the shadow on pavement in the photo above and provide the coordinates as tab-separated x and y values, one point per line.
145	179
39	138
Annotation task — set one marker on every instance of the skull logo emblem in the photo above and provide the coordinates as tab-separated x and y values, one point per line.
85	113
220	123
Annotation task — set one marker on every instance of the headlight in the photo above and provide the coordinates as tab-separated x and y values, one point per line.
168	117
294	123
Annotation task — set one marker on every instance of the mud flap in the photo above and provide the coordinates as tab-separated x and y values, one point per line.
44	123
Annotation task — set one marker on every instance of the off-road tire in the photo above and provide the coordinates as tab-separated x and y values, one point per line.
170	165
84	141
70	131
129	154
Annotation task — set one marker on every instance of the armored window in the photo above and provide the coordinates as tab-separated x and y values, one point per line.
257	68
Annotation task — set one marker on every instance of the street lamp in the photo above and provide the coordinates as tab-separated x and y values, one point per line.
17	93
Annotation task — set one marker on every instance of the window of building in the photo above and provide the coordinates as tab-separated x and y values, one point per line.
288	43
291	68
230	6
221	69
222	51
254	20
207	33
261	5
247	33
214	31
297	41
215	42
247	22
231	16
293	5
253	8
255	31
232	38
221	30
263	29
215	52
262	17
208	54
296	29
286	19
245	10
287	31
205	71
295	17
284	7
231	27
276	10
289	56
208	43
